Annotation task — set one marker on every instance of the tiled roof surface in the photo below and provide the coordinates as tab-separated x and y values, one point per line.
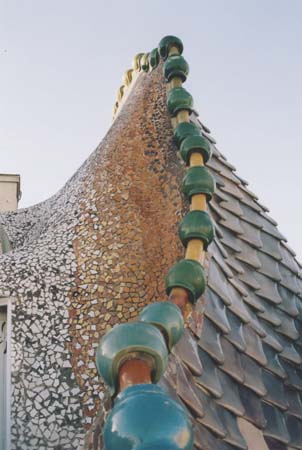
242	356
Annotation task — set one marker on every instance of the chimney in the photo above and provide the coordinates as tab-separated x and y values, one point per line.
10	192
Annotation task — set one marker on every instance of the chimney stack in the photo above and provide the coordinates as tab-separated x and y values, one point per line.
10	192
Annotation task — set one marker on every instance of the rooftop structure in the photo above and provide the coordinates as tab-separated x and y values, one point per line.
10	192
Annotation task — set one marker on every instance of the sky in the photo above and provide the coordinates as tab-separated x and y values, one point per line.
62	61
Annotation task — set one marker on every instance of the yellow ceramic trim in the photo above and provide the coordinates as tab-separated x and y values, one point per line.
129	78
175	82
183	116
198	202
194	249
196	159
173	51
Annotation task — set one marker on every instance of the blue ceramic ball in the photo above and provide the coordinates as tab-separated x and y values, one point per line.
144	417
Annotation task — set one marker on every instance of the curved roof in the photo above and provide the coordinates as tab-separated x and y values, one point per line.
105	241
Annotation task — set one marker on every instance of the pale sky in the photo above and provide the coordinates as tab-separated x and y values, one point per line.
61	62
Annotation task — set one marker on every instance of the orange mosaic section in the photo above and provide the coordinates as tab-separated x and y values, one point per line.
127	234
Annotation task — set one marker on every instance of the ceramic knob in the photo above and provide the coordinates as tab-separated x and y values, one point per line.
179	99
176	66
167	317
126	341
154	58
144	417
195	144
196	225
185	129
187	274
198	180
167	43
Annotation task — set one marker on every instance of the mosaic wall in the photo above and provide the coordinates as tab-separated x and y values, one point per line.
85	259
